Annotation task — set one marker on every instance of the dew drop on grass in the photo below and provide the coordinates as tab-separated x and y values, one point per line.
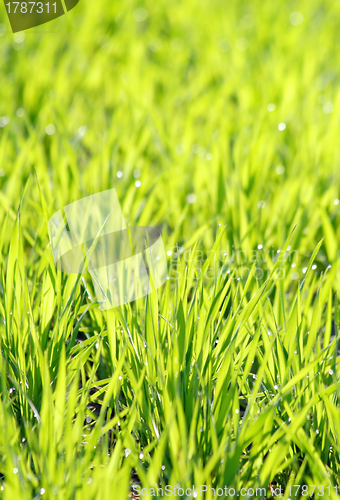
224	45
296	18
4	120
330	371
280	170
328	108
242	44
15	470
140	15
281	126
271	107
50	129
202	152
191	198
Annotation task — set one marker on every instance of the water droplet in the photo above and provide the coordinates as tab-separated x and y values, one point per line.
296	18
191	198
140	15
50	129
328	108
224	45
242	44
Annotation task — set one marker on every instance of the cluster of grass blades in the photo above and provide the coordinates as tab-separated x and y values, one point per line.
219	123
205	385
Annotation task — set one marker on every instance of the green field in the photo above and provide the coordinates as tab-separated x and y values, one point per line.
218	122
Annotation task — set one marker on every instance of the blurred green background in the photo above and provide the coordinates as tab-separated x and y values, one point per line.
180	92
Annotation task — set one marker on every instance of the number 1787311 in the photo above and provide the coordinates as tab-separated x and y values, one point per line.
30	7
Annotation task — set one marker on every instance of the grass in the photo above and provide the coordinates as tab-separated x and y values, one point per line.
228	374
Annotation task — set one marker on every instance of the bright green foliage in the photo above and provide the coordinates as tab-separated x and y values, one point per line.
227	375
